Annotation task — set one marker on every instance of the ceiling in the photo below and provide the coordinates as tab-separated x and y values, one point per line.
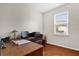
43	7
40	7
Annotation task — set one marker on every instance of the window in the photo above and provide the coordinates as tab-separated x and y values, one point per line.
61	23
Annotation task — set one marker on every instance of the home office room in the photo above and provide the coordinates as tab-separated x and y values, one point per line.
39	29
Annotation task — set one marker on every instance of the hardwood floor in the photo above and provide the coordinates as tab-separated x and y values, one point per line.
52	50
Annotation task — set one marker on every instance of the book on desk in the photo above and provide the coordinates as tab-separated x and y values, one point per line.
20	42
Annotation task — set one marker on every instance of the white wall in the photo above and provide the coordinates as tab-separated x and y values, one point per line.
19	17
34	20
71	41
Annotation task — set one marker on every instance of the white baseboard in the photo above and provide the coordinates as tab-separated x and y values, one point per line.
63	46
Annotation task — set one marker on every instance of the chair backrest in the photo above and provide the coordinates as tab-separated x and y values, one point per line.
24	34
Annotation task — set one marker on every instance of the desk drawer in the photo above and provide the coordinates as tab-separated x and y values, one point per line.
38	52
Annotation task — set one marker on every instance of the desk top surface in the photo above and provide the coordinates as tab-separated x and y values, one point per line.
20	50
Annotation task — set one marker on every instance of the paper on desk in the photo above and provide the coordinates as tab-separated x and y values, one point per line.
20	42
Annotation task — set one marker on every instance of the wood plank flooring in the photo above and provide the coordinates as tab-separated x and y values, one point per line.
52	50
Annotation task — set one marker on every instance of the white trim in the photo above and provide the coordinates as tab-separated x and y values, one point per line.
63	46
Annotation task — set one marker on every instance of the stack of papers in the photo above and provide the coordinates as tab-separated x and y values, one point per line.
20	42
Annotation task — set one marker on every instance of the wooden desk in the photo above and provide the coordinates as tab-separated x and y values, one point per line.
29	49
